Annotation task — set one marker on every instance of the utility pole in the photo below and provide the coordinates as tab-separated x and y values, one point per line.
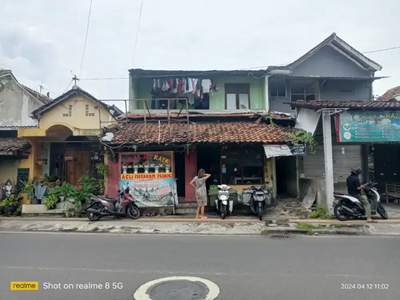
328	157
327	134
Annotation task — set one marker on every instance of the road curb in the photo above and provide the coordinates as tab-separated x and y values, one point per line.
315	231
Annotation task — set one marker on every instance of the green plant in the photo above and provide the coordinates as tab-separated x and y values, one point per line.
309	226
50	201
18	211
89	183
319	213
271	120
29	188
66	190
103	170
81	196
12	200
300	136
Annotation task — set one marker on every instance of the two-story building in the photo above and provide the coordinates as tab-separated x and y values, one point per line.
205	101
331	71
16	103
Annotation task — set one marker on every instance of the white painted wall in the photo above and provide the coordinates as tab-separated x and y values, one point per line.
16	105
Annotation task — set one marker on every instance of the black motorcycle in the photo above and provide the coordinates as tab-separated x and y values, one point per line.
102	206
258	200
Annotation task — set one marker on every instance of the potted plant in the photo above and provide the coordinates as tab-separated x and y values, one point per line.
10	204
29	190
51	201
125	167
62	191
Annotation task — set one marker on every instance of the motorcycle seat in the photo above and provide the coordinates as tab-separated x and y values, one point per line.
111	200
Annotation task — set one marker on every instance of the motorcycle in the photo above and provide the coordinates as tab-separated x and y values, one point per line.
258	200
223	204
102	206
346	207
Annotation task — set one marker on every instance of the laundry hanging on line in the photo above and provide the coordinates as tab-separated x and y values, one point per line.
183	85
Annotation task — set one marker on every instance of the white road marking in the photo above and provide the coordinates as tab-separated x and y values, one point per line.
141	292
187	273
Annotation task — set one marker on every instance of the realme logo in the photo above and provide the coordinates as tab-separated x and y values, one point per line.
24	286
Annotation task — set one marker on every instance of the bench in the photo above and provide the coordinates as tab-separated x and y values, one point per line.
392	189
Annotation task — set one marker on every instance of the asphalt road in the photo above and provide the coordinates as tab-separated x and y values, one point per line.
244	267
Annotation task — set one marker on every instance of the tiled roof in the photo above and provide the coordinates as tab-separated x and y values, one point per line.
3	72
42	98
315	104
390	93
12	144
72	92
201	132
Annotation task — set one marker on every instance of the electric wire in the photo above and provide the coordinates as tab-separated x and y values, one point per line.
86	37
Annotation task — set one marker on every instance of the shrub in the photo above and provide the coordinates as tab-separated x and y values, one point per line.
319	213
50	201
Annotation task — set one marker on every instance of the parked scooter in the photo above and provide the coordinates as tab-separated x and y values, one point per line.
258	200
347	207
102	206
223	203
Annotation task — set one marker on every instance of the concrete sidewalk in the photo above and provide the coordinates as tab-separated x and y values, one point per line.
210	226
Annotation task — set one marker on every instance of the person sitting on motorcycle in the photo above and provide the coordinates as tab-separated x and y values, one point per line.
354	188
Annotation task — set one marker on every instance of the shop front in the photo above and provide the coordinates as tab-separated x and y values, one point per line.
150	177
168	157
379	131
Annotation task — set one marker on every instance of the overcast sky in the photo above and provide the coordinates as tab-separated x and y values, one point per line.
41	41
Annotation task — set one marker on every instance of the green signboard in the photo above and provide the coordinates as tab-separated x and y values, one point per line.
368	126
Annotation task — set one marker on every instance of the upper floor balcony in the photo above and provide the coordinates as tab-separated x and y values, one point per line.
206	91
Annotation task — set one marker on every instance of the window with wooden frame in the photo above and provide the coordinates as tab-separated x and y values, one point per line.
237	96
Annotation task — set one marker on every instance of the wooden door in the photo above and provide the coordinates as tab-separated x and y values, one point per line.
80	165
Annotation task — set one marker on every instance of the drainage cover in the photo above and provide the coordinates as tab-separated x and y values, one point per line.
177	288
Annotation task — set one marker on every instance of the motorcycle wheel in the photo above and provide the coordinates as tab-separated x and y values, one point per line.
260	211
92	216
132	211
341	217
382	212
223	211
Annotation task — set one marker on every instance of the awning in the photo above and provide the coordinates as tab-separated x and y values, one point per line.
283	150
307	120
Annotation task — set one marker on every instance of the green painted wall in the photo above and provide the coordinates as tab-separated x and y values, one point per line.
217	99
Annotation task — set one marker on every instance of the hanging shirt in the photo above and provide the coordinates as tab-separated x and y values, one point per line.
191	99
198	88
184	86
190	85
175	86
194	83
180	84
206	85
